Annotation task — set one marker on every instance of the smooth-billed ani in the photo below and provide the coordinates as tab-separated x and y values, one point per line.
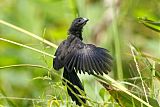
76	56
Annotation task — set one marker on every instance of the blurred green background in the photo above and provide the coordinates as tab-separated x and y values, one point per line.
113	24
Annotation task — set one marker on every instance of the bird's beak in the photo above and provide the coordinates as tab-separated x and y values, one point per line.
85	20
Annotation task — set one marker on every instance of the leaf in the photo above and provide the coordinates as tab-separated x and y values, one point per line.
102	93
150	24
125	100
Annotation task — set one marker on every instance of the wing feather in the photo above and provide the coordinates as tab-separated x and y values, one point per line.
70	63
104	63
78	64
81	63
89	65
94	65
84	63
101	63
107	62
89	58
74	62
97	66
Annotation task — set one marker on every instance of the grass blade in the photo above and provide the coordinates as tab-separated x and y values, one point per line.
134	57
28	33
25	46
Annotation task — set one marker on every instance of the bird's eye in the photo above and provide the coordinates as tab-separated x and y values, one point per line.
79	20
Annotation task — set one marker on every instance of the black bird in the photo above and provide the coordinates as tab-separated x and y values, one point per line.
76	56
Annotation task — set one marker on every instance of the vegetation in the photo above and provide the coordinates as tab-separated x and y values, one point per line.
30	31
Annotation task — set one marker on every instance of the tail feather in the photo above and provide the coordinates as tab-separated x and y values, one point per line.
73	78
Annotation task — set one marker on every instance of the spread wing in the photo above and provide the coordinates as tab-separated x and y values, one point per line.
89	58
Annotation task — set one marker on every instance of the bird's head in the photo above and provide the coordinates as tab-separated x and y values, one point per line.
77	25
79	22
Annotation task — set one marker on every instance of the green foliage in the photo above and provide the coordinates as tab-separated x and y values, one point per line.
150	24
124	100
26	77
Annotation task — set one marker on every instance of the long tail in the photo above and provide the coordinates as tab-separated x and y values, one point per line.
72	77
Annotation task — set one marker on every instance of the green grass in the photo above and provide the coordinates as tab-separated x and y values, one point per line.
107	79
27	78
